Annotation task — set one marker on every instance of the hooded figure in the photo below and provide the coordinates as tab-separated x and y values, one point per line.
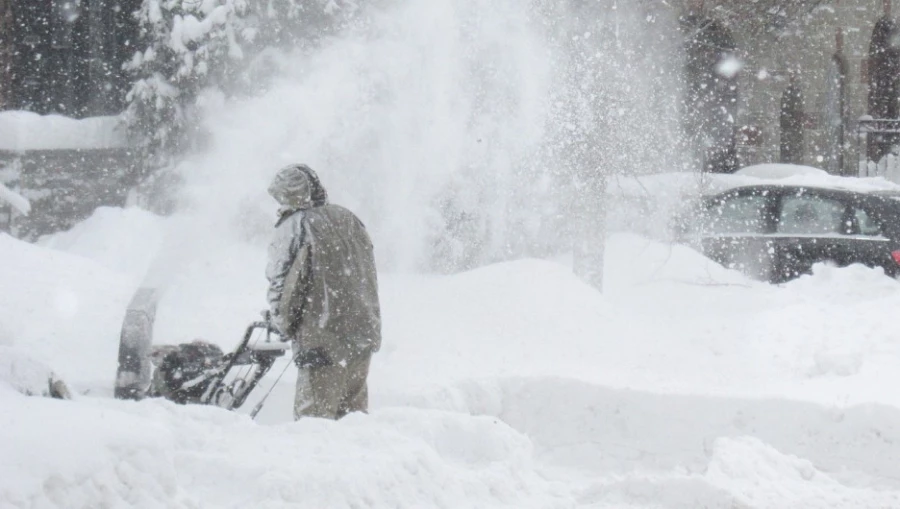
323	295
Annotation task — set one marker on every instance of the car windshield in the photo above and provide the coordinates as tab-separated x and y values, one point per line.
737	214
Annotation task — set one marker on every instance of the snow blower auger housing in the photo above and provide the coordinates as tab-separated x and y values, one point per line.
196	372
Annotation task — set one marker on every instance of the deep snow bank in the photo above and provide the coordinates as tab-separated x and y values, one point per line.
156	454
126	240
699	451
24	374
63	310
512	385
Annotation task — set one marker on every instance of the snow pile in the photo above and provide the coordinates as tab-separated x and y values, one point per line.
121	240
855	341
157	454
761	476
513	385
22	373
779	171
664	186
24	130
636	449
62	310
799	175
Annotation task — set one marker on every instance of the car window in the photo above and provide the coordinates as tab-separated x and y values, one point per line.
809	214
738	214
865	223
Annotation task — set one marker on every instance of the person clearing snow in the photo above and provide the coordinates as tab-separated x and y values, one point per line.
323	295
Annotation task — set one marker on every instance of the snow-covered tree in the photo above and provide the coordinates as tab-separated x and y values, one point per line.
190	45
194	46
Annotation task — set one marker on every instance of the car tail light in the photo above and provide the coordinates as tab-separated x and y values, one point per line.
896	256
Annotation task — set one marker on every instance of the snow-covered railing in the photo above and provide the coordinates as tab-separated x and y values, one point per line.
65	167
22	131
15	200
885	132
66	186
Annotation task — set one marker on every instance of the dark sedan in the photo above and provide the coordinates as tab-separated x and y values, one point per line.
776	233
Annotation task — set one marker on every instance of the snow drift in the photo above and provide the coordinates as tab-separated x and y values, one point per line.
514	385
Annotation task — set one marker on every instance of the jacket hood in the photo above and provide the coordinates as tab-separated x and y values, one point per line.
297	187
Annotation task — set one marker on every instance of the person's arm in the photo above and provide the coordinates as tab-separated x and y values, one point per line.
282	252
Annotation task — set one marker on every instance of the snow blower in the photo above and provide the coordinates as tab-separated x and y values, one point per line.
197	372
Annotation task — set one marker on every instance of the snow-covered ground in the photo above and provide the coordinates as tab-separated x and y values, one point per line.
514	385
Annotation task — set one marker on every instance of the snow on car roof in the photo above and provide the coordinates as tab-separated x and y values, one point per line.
689	183
807	176
780	170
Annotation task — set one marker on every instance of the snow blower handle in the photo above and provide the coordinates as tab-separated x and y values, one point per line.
270	326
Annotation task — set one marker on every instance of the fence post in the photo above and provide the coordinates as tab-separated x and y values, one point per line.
862	145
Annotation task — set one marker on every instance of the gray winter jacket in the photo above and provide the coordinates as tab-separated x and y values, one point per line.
323	286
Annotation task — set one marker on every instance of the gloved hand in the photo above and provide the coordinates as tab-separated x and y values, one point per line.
273	321
315	358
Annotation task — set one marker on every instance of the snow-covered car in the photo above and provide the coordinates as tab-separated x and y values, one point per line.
777	232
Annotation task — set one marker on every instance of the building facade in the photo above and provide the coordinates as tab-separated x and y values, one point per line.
819	55
65	57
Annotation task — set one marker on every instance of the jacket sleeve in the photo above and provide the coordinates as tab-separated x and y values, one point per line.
282	252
